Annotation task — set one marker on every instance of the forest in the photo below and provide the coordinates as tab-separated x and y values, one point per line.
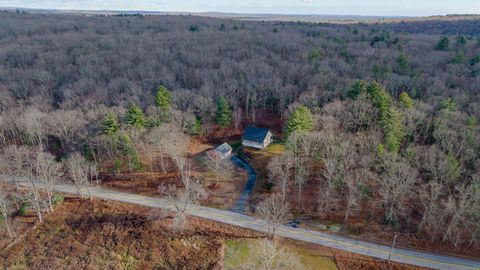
378	124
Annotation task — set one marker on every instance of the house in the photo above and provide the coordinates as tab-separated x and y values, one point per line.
220	152
256	137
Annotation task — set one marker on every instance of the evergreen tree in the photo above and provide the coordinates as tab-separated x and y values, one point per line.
402	63
405	100
443	44
134	117
162	100
448	105
381	100
394	131
357	88
110	124
461	42
299	120
223	115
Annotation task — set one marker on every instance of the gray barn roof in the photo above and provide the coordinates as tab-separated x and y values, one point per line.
255	134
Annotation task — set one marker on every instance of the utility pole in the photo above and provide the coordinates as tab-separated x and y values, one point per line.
391	249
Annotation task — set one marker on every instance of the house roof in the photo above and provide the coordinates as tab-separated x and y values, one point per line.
255	134
224	148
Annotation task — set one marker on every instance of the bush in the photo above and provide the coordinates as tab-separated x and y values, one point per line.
22	210
57	198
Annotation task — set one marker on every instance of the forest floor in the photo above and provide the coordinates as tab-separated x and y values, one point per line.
84	234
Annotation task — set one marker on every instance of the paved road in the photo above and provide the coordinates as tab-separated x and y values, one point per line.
241	204
324	239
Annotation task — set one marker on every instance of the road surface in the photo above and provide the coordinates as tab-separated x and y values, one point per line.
241	204
333	241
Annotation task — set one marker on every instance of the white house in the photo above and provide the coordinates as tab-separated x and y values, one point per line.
220	152
256	137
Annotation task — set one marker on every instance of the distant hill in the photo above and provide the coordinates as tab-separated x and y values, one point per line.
342	19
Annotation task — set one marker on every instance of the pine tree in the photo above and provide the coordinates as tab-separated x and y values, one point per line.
402	63
357	88
405	100
110	124
381	100
299	120
134	117
223	116
443	44
162	100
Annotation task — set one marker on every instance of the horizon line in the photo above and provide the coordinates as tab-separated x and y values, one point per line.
7	8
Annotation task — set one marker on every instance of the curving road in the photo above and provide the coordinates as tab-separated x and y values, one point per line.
241	204
417	258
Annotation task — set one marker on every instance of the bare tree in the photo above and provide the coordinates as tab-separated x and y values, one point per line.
6	209
433	216
80	172
279	170
275	212
49	173
31	122
459	207
395	187
218	165
191	192
237	117
66	124
354	182
439	166
269	255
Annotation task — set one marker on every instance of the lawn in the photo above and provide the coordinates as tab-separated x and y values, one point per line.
239	251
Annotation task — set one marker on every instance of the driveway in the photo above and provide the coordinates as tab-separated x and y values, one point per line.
242	202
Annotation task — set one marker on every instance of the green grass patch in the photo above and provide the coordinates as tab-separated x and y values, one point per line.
275	148
240	251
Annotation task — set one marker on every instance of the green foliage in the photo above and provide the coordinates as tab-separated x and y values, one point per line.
402	63
394	131
162	100
22	210
384	36
57	198
345	54
299	120
194	28
461	41
453	169
222	27
275	30
459	58
379	71
475	60
443	44
313	54
381	100
380	149
405	101
110	124
448	105
223	116
388	118
472	121
130	152
134	117
117	165
358	87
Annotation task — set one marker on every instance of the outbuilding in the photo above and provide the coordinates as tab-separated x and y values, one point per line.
256	137
220	152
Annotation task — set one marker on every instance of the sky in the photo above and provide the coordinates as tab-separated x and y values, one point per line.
317	7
